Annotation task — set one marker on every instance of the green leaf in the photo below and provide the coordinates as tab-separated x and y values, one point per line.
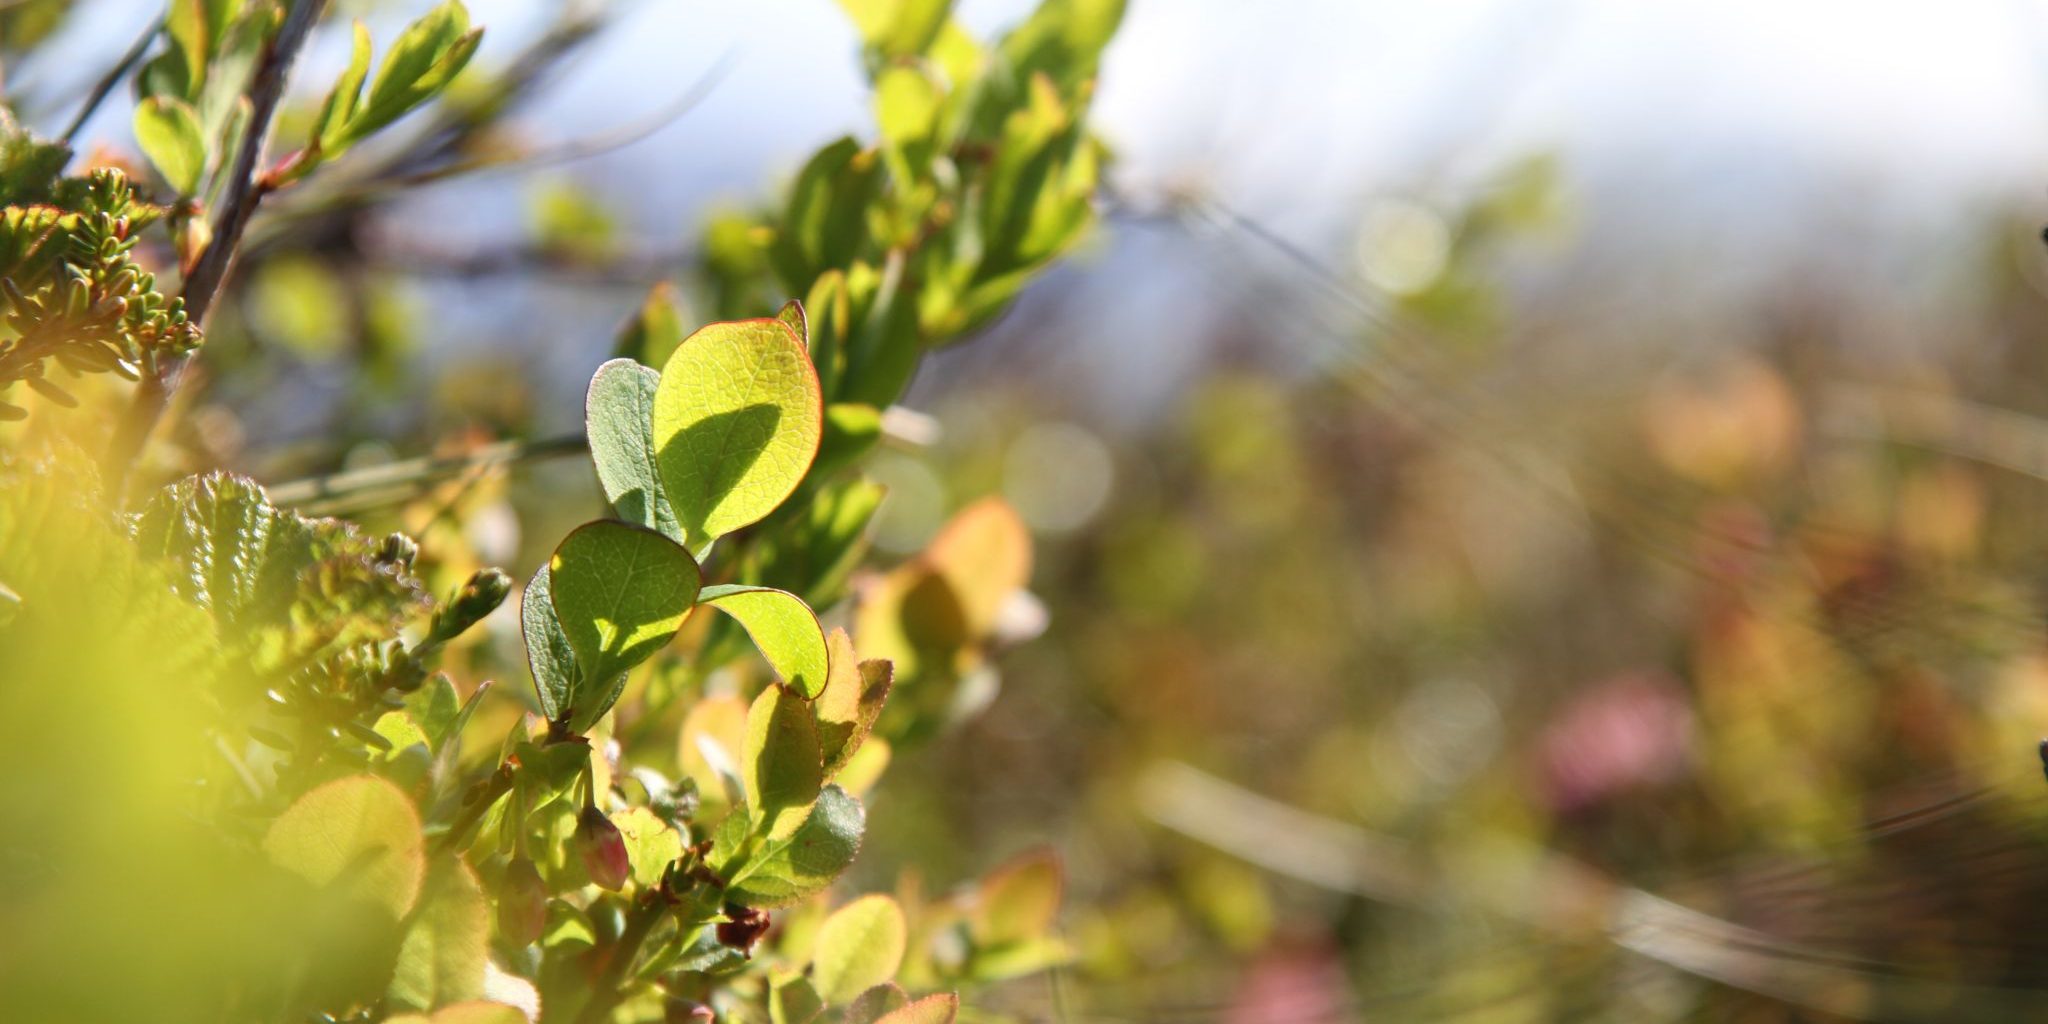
422	61
340	105
850	430
793	1000
781	762
283	590
852	701
620	593
360	833
447	942
548	654
787	870
618	419
907	105
813	553
737	420
168	131
932	1009
859	946
650	843
1018	900
783	627
898	28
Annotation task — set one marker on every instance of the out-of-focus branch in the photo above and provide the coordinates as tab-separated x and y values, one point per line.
396	481
1510	877
244	192
105	86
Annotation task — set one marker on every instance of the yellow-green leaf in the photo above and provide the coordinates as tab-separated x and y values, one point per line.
360	834
446	946
781	764
783	627
650	843
168	131
851	702
737	419
859	946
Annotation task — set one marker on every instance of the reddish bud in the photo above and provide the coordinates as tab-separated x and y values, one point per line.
522	904
689	1011
603	849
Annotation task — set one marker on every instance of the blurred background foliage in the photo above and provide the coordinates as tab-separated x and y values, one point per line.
1490	607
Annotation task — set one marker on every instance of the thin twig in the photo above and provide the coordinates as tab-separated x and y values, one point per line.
203	283
352	490
409	474
105	86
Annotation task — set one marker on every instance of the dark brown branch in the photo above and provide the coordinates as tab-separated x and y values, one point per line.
237	206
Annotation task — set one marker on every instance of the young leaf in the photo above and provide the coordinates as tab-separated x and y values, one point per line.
932	1009
781	760
360	832
347	92
618	417
785	871
650	843
620	593
859	946
783	627
446	944
876	1003
548	654
168	131
422	61
737	420
1018	900
851	702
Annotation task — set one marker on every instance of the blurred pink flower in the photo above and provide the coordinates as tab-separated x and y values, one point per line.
1626	732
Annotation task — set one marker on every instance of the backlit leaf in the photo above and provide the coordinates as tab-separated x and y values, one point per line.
651	843
781	760
620	593
737	420
783	627
851	702
858	947
360	833
168	131
984	553
932	1009
442	958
